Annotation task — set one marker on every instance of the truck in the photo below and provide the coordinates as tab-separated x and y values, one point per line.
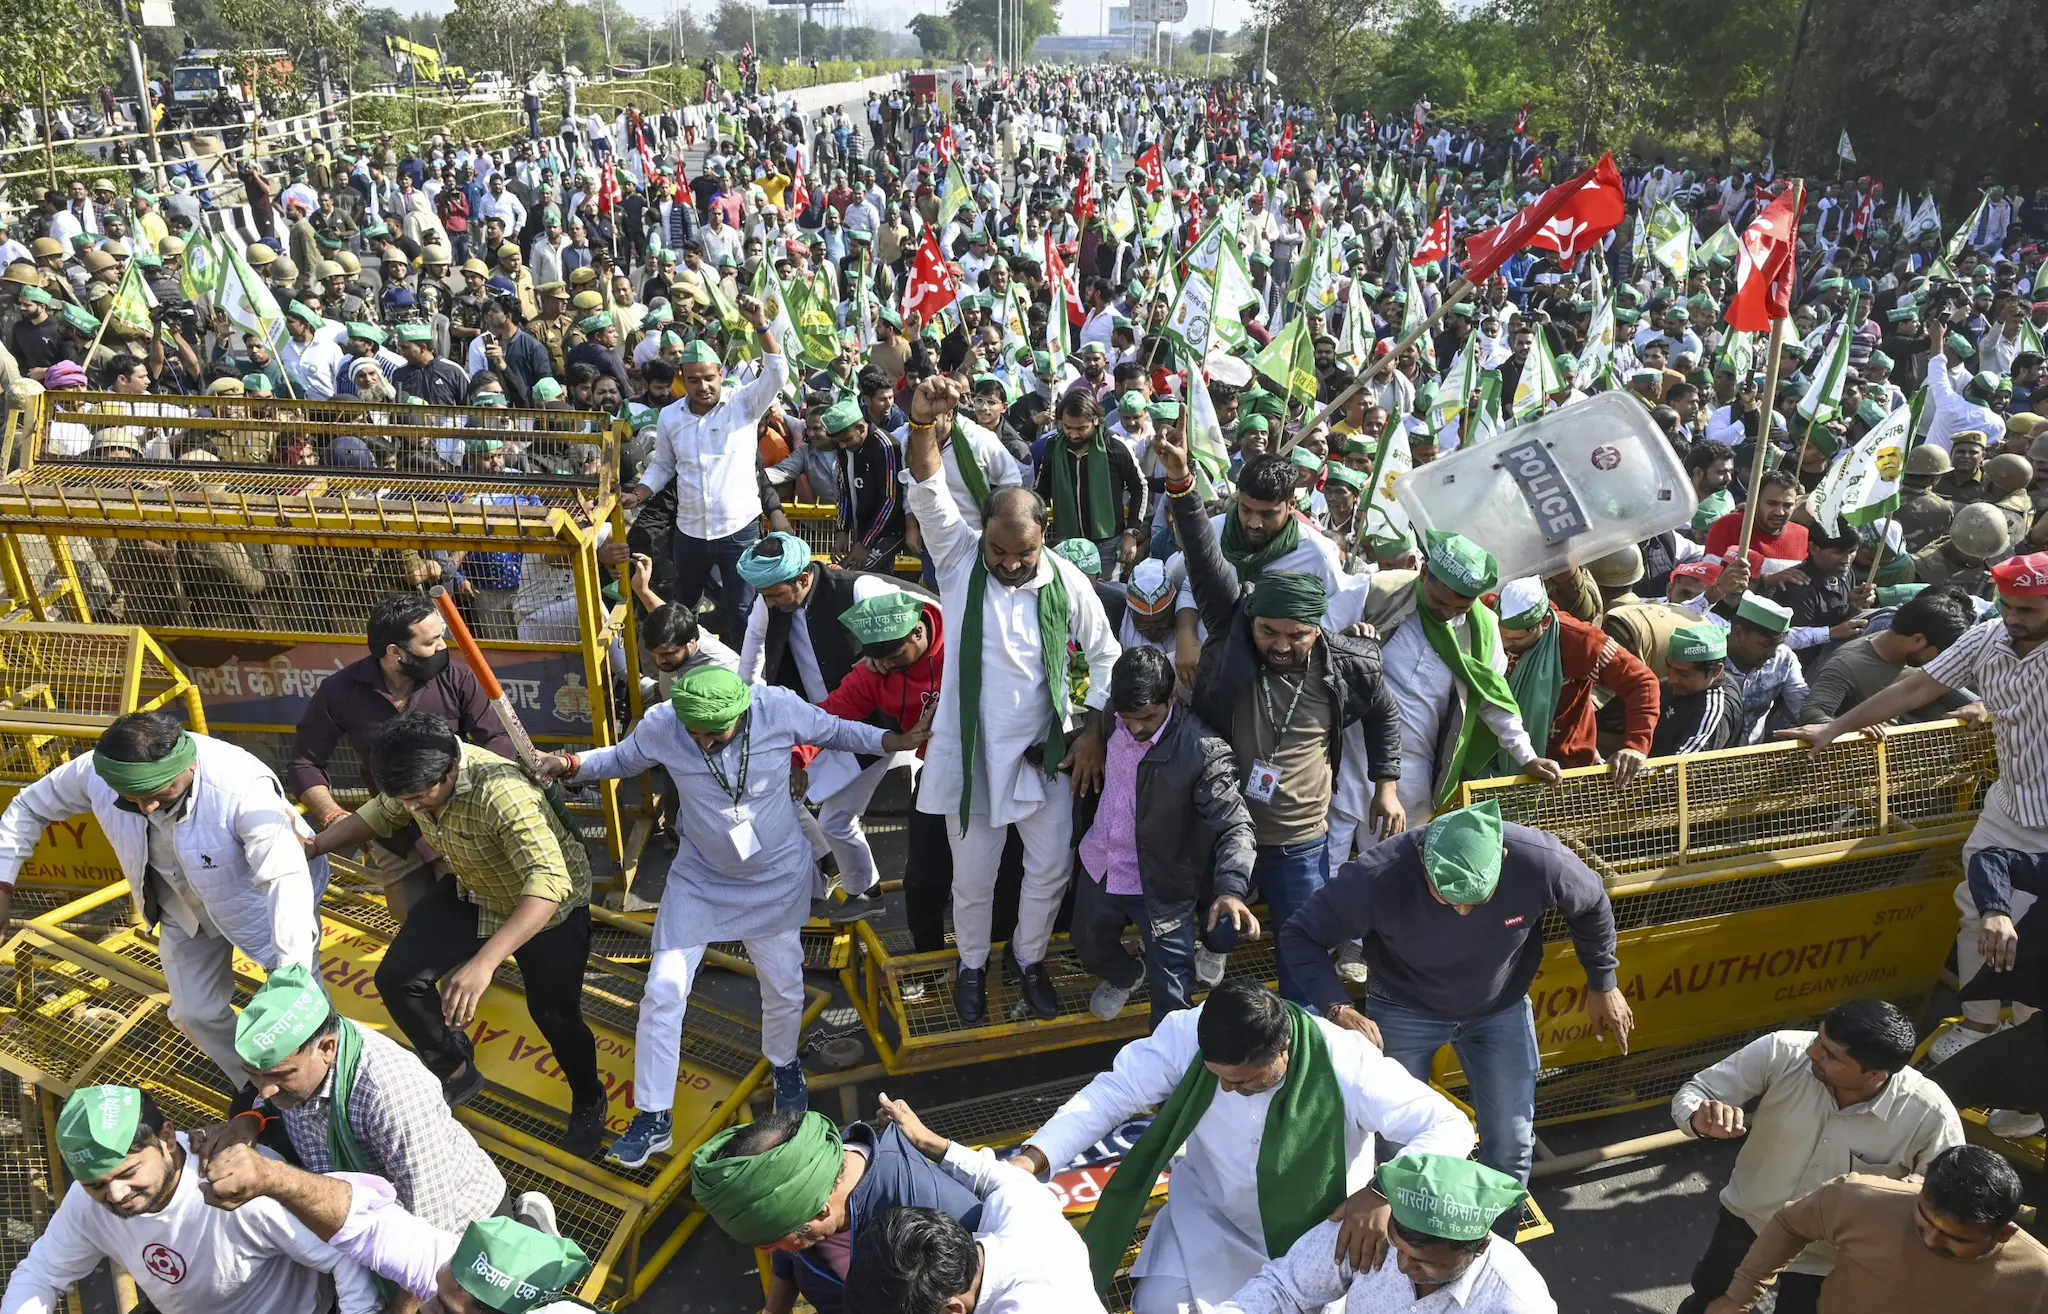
203	78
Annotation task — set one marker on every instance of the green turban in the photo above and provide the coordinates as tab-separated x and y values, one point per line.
1441	1196
1289	595
1461	851
884	618
1697	643
712	699
131	779
281	1017
760	1198
699	352
776	559
1462	564
1084	554
511	1268
96	1128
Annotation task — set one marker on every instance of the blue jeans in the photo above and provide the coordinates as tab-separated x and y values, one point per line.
1498	1055
1167	933
734	598
1286	875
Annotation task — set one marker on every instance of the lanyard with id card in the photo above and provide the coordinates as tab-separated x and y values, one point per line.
1262	778
740	816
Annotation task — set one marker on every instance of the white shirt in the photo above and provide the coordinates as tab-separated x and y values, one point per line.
998	467
1033	1261
1799	1137
1425	690
1016	708
1209	1231
711	457
1953	412
311	366
1305	1279
188	1257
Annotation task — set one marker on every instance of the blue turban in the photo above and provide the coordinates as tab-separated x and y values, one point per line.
776	559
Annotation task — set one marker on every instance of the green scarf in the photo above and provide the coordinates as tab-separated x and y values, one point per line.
1250	560
1301	1156
1476	744
1537	681
1100	521
343	1153
969	465
1052	646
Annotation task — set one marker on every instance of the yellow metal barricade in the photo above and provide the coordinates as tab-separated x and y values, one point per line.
252	537
60	686
85	1003
817	524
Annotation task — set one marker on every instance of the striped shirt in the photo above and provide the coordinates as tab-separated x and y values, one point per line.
501	837
2015	690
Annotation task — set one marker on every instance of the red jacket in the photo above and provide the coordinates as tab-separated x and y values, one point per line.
1591	657
899	696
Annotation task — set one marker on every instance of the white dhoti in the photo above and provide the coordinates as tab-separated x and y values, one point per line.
842	789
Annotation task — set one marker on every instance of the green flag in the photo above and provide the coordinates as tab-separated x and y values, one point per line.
1205	436
1540	378
130	309
1671	238
200	277
955	195
1290	360
1959	244
1383	516
1123	215
1596	358
1724	243
1191	320
1413	316
816	344
1354	343
247	299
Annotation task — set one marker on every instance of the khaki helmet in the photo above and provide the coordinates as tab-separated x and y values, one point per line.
331	269
1618	570
171	246
2007	472
1979	532
284	270
347	260
1927	459
260	255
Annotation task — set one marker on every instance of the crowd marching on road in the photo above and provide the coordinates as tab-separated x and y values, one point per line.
1128	366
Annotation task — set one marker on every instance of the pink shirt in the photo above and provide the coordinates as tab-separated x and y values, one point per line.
1109	851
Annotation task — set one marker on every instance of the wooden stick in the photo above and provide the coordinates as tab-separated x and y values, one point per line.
1457	292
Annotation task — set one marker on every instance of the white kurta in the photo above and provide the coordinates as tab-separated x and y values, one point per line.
997	466
1209	1234
1500	1281
1426	691
1016	708
713	889
188	1257
1033	1261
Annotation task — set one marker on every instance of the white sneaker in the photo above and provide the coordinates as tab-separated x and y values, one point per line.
1209	966
537	1212
1351	963
2012	1125
1955	1040
1109	1000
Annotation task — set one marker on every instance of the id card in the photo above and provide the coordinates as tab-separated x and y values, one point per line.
1261	782
744	842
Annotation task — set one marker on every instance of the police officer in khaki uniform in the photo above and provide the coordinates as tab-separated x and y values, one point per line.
551	326
511	265
336	301
2006	481
1976	542
582	306
1923	515
466	310
1964	483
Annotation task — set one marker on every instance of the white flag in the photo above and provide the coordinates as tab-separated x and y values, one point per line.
1864	485
1191	319
1844	149
1384	519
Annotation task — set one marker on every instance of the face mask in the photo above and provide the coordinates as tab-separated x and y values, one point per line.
422	669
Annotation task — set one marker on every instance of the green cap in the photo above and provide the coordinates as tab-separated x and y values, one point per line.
1164	410
35	296
1871	412
842	416
415	332
1705	642
494	398
1461	852
1771	617
1131	403
883	618
698	352
1253	424
1304	458
1442	1196
1881	360
80	318
1898	595
1462	564
304	313
1083	553
547	390
355	328
511	1268
597	323
1345	476
281	1017
258	382
1961	345
96	1129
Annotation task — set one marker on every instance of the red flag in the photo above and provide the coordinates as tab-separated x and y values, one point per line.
1154	168
1286	146
1763	273
1056	268
1522	120
1415	134
1590	214
607	190
1863	213
1489	249
947	146
1436	243
931	284
1084	196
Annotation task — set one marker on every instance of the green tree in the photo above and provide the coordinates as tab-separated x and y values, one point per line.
934	35
1208	40
62	46
974	22
303	29
1313	43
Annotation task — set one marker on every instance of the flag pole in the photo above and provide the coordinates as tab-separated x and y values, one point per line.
1770	397
1458	292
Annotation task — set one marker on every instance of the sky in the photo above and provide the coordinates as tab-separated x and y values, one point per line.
1077	17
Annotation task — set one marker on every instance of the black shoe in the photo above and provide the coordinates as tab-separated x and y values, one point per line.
461	1086
970	995
1039	996
586	1129
854	908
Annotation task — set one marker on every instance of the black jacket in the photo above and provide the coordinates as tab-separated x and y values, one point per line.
1195	840
1126	487
1230	659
